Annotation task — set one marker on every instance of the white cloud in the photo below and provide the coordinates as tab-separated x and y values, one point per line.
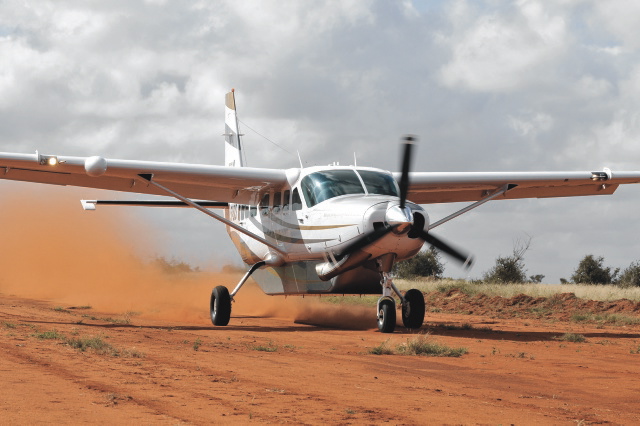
502	52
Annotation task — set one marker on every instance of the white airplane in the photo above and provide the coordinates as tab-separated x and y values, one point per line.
312	230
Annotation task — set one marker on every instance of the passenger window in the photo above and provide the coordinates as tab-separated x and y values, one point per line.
285	201
277	202
296	202
264	204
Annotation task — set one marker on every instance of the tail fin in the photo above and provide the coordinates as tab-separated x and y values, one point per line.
232	146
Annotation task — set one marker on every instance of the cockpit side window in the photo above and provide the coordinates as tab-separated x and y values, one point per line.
320	186
379	183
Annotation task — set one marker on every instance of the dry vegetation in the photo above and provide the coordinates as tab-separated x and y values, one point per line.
605	293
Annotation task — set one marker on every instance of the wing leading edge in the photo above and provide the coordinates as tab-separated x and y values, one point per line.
205	182
427	188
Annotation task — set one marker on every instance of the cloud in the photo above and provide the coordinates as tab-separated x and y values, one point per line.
504	50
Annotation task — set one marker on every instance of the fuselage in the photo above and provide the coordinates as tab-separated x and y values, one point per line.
320	213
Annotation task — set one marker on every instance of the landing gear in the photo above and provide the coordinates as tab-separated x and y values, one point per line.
220	306
386	315
412	302
413	309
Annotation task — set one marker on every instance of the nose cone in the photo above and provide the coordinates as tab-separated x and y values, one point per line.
401	219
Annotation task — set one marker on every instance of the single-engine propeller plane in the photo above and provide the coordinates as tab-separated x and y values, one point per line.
312	230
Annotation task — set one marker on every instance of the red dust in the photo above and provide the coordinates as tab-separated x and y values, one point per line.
52	249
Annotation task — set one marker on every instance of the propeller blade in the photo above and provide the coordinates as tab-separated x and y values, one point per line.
465	258
405	167
367	239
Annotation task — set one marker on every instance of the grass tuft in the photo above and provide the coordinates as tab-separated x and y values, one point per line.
270	347
197	344
49	335
6	324
382	349
572	337
422	345
95	343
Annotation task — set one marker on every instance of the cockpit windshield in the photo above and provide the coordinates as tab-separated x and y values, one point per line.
320	186
379	183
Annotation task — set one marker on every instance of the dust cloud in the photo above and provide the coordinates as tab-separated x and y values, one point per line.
51	249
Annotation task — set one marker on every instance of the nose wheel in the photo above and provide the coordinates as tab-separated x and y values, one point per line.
413	307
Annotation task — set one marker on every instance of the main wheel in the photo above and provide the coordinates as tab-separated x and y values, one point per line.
413	309
220	306
387	316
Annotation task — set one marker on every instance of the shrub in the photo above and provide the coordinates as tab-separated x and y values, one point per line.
510	269
426	263
174	266
591	271
631	276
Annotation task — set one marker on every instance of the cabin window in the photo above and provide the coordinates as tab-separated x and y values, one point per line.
379	183
264	204
277	202
320	186
296	202
285	201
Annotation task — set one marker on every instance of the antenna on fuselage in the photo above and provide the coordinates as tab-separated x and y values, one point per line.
355	161
300	159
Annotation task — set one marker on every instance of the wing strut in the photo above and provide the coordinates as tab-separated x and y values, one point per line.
149	179
503	190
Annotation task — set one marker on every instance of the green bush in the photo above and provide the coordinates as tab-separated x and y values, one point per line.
591	271
631	276
426	263
510	269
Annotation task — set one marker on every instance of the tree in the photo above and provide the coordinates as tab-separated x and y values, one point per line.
537	279
510	269
631	276
426	263
591	271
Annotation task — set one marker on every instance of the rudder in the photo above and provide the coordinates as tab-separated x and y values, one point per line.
232	146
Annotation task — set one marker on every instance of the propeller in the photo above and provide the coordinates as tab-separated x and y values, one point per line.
399	218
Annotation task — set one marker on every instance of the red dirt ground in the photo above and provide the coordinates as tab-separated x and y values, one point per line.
516	371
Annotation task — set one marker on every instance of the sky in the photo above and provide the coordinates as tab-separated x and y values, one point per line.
486	85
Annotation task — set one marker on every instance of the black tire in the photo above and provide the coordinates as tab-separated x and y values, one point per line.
413	309
387	316
220	306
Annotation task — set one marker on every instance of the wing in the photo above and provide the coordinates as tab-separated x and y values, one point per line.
427	188
226	184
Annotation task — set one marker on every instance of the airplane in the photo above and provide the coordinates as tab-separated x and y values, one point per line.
312	230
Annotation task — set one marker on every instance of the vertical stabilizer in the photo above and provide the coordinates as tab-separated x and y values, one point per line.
232	146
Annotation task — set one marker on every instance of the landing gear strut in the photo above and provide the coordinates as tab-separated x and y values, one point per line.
412	305
220	304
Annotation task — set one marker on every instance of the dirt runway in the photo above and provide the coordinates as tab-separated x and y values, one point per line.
273	370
